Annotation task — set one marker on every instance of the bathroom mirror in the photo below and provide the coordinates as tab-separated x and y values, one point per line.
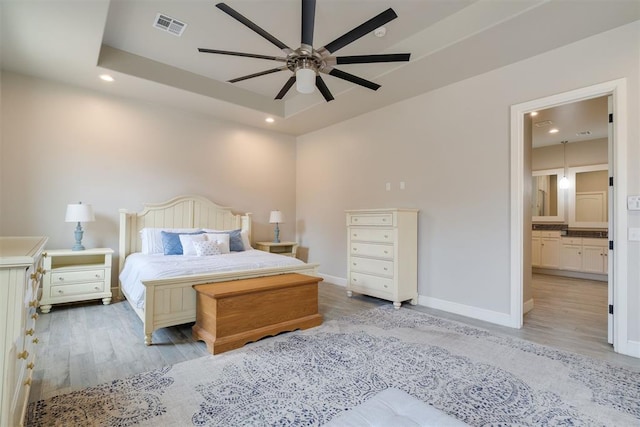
547	200
589	200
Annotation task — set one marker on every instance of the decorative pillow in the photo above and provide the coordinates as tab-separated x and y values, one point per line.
207	248
152	238
244	234
235	239
187	241
171	242
222	239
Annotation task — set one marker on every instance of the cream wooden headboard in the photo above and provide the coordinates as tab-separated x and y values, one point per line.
179	212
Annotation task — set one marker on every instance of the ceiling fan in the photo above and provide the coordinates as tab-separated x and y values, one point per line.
307	63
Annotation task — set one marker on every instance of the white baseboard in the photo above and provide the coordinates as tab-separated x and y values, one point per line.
631	348
334	279
527	306
466	310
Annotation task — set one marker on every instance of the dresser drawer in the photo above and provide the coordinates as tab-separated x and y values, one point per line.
61	277
382	235
372	250
77	289
374	283
590	241
370	219
571	240
372	266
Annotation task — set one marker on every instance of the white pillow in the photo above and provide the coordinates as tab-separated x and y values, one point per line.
244	235
222	240
152	238
187	241
207	248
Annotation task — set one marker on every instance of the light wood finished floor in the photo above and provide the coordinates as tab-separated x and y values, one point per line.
87	344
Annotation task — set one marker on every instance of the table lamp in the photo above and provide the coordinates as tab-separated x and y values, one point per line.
79	213
275	218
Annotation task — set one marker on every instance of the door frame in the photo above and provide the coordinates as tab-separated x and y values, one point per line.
618	90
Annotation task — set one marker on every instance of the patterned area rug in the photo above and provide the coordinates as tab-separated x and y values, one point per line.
308	377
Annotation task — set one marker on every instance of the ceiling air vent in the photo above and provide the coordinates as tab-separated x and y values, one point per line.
584	133
542	124
169	24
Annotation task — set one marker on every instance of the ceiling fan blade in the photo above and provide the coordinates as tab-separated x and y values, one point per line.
247	55
361	30
324	90
353	79
286	87
367	59
308	19
243	20
261	73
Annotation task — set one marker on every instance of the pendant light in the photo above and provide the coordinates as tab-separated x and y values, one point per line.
564	181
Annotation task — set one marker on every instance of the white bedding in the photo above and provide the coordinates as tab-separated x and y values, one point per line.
139	267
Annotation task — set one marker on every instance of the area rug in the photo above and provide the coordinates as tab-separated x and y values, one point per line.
308	377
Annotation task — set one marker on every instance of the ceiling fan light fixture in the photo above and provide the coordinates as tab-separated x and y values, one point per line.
305	80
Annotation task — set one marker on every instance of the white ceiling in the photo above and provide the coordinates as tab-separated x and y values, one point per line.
74	41
572	121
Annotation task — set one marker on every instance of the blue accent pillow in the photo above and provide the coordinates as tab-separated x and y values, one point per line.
235	240
171	242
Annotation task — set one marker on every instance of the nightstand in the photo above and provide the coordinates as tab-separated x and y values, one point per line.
71	276
282	248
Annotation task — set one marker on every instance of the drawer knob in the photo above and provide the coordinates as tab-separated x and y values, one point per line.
60	291
355	280
386	286
355	235
31	365
384	219
386	236
355	219
29	332
385	269
355	249
35	341
23	355
97	288
60	278
386	252
97	276
355	263
34	316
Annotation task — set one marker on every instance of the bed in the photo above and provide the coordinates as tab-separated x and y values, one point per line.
168	298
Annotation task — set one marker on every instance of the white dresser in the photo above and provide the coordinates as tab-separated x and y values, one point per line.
383	254
20	276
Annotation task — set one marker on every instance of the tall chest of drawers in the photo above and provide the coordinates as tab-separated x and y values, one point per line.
20	277
383	254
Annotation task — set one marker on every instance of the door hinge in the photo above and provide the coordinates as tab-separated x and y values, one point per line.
610	245
610	181
610	308
610	117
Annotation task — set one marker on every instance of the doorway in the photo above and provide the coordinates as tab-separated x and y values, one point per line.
570	208
618	259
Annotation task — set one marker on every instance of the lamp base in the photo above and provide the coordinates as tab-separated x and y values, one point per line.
276	237
78	236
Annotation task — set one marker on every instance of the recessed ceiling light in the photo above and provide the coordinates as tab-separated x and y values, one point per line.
534	113
269	120
554	130
106	77
380	32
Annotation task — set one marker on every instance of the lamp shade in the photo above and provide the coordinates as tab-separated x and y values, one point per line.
79	213
276	217
305	80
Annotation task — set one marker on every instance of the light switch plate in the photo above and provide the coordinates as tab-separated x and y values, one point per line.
633	203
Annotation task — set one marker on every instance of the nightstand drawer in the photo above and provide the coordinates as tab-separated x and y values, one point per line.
77	289
62	277
381	235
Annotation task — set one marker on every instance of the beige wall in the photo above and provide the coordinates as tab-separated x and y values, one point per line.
451	147
583	153
62	144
